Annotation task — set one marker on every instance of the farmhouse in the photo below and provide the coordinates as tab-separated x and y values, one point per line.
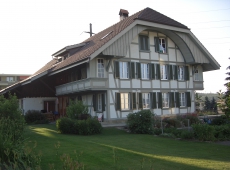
145	61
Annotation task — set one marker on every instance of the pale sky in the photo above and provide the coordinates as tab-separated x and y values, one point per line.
31	31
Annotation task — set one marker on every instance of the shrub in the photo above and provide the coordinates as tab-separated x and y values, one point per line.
185	134
172	122
203	132
75	109
220	120
157	131
140	122
222	132
13	153
65	125
36	117
81	127
193	118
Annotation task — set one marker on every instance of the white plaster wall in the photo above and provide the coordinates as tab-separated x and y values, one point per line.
125	84
144	55
179	56
163	57
154	55
171	43
173	84
111	81
157	111
134	51
136	83
151	37
172	55
124	114
182	84
35	103
113	112
146	84
135	40
183	111
166	112
164	84
156	84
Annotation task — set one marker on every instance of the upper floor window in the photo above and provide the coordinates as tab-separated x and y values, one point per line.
144	42
165	100
164	72
83	73
182	99
160	45
9	78
146	100
196	75
181	73
100	68
123	69
144	71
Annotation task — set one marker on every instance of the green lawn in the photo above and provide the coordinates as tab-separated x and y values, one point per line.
132	151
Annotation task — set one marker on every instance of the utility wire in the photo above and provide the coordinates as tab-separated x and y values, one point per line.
207	22
211	27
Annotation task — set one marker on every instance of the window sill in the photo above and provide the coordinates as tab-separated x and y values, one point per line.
145	51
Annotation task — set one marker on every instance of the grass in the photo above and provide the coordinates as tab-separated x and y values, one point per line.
116	149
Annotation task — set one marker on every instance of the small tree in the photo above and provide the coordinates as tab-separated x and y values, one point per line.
75	109
213	105
207	104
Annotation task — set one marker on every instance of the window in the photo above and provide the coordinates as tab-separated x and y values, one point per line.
165	100
162	45
180	72
146	100
144	42
125	101
144	71
196	75
182	99
83	73
99	102
100	68
9	78
124	71
164	72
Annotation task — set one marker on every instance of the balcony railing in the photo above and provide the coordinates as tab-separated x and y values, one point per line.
7	83
82	85
198	85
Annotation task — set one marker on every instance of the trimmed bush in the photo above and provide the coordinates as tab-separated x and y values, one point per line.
140	122
222	132
65	125
185	134
35	117
204	132
193	118
172	122
81	127
220	120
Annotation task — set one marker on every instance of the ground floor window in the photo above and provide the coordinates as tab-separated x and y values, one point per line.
125	101
146	100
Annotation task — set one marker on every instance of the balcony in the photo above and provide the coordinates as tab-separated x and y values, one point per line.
82	85
198	85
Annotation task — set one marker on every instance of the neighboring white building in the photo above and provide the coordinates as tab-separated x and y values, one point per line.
145	61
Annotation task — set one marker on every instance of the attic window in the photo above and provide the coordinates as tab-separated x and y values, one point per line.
106	35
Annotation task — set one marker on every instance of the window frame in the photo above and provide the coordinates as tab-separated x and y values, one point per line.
10	79
164	72
142	43
124	101
122	73
100	68
165	96
160	45
181	76
146	100
196	74
182	99
145	71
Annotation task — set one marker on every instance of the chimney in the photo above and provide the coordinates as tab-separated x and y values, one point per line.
123	14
